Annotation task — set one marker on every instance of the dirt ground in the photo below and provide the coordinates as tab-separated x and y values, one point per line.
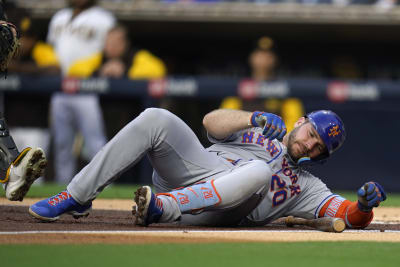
111	222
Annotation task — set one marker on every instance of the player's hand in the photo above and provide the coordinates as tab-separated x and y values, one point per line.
273	125
370	195
114	68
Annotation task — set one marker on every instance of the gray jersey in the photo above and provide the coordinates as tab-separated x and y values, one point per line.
292	190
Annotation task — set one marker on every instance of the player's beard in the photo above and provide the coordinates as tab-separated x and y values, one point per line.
291	142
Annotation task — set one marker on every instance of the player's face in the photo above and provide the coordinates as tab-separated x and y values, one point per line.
304	141
115	44
262	60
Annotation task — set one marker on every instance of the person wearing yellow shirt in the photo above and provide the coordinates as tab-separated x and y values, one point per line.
34	56
263	63
119	60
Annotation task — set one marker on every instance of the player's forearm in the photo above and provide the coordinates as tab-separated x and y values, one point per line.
348	211
221	123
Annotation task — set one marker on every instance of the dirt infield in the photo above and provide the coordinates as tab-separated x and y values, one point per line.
115	226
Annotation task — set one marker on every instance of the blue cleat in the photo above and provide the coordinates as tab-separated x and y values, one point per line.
50	209
149	207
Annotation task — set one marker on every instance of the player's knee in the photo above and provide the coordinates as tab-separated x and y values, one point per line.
151	121
260	172
155	115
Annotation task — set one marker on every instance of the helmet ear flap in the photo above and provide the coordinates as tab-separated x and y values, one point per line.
304	161
307	161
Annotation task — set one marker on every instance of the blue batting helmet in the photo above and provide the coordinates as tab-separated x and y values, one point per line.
331	130
329	127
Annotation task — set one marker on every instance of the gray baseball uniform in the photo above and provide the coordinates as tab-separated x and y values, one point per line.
242	165
76	39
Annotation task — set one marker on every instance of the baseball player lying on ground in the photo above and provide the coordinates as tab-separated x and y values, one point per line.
247	177
18	170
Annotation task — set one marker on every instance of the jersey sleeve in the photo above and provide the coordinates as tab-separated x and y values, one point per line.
234	136
217	141
51	31
85	67
338	207
109	19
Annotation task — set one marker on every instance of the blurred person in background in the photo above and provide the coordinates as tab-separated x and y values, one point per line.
119	59
345	67
34	56
262	62
77	34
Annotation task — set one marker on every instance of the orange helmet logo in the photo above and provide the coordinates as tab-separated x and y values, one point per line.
334	131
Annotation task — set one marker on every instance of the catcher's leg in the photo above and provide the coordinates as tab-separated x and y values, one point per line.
18	170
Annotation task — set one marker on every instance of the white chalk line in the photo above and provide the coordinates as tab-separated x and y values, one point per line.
385	222
188	231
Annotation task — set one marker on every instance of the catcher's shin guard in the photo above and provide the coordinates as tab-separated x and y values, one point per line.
8	150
